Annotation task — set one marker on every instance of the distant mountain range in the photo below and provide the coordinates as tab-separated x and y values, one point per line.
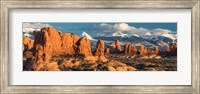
161	41
148	40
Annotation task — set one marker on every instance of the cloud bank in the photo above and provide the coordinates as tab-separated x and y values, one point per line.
30	27
123	29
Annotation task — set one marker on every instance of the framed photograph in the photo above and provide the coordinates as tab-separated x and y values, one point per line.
101	46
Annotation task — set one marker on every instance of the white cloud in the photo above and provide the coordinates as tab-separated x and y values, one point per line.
105	27
123	29
119	33
115	27
30	27
160	31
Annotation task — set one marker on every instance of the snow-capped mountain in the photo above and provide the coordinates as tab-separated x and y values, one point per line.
119	34
92	40
162	44
169	36
86	35
145	34
136	35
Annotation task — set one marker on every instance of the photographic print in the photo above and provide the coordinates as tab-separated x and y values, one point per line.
98	46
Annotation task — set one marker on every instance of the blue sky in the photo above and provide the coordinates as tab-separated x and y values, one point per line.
103	29
71	26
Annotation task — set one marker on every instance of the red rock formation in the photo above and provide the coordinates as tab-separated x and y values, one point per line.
112	48
49	42
68	43
107	51
55	43
50	39
170	51
99	52
115	48
27	44
172	45
99	48
130	49
118	45
142	50
173	49
152	52
148	50
156	50
167	51
145	51
36	34
126	49
83	47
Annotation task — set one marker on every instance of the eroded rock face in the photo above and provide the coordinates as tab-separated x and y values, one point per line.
152	52
40	59
107	51
171	50
115	48
118	45
156	50
27	44
68	43
55	43
112	48
49	42
167	51
142	50
99	48
130	49
50	39
99	52
83	47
